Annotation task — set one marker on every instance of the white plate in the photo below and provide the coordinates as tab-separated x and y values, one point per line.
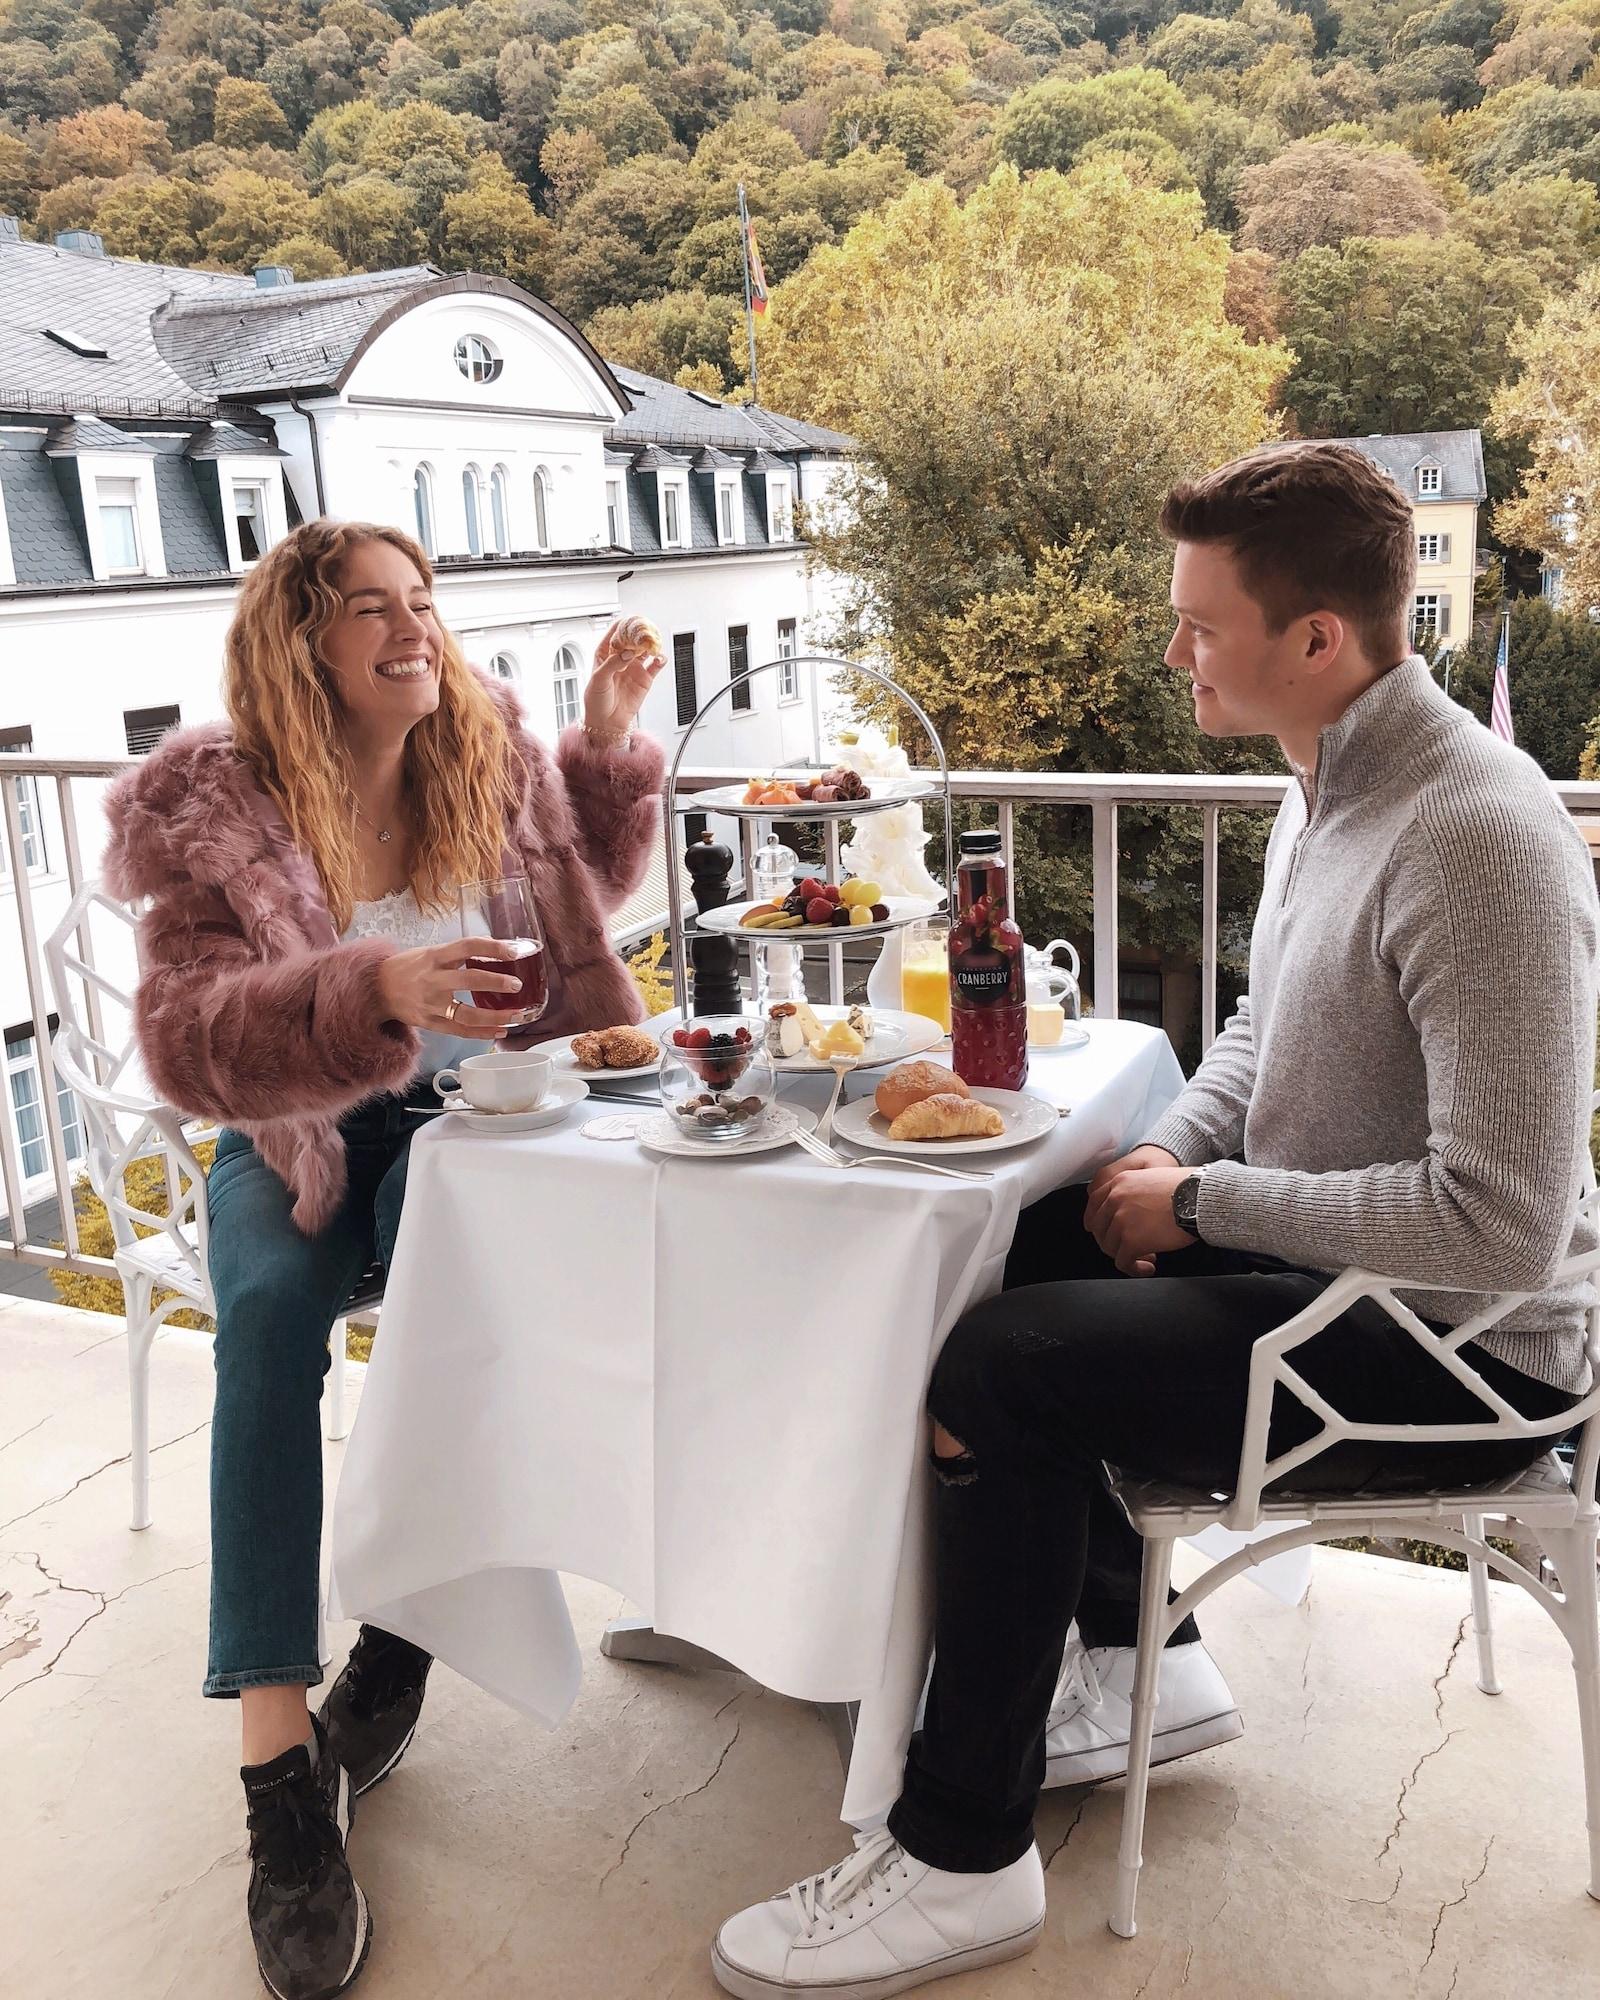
896	1038
1027	1118
564	1092
776	1127
902	910
1073	1036
560	1053
900	792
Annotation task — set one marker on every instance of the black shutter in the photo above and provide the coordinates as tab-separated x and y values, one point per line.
683	675
145	727
739	665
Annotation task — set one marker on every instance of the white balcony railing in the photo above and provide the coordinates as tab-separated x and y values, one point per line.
53	831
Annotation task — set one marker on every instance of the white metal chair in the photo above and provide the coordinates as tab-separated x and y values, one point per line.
161	1260
1555	1504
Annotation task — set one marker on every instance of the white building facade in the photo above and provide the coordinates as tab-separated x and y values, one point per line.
161	428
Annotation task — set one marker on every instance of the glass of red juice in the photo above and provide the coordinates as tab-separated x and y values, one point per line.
503	908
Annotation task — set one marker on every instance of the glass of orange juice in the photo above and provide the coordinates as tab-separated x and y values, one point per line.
925	970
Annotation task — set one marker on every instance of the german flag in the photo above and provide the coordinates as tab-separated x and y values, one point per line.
758	274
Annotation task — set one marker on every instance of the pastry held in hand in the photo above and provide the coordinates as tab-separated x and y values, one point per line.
631	638
947	1116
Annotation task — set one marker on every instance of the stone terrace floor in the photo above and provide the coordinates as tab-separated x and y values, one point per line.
1382	1829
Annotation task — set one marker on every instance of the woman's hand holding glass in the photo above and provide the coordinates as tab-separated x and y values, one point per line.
419	987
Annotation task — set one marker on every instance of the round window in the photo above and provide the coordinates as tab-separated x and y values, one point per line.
477	359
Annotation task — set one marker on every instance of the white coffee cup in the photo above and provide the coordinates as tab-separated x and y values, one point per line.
499	1080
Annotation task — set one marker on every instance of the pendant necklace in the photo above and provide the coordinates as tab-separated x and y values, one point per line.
383	833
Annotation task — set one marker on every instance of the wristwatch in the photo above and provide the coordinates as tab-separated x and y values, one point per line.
1186	1204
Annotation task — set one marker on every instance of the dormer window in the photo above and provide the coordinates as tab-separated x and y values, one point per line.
117	503
1430	477
780	508
730	510
250	521
478	359
674	510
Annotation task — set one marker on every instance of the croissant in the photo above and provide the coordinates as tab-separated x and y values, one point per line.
912	1081
634	638
948	1117
614	1048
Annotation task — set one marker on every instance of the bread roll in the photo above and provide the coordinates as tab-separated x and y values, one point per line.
948	1117
913	1081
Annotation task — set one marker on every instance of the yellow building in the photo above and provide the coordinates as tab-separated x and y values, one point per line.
1441	474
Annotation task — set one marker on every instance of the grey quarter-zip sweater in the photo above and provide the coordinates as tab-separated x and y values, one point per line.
1406	1086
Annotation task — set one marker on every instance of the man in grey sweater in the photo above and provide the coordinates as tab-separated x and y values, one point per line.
1405	1089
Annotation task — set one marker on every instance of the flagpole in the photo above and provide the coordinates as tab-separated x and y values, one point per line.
749	313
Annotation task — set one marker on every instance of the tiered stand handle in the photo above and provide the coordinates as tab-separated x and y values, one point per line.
671	810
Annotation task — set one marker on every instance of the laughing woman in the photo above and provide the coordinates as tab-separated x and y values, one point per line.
301	958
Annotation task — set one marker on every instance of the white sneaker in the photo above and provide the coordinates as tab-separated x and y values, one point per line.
1091	1718
877	1924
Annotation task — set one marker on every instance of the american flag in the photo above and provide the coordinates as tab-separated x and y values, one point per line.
1500	706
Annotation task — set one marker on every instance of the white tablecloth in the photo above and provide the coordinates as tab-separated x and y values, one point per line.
700	1382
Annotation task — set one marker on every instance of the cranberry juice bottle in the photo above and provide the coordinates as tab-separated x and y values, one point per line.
988	989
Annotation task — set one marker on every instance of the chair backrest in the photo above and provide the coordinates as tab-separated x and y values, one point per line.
1270	1372
96	1054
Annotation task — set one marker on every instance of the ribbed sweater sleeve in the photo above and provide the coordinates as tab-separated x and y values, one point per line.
1207	1121
1488	925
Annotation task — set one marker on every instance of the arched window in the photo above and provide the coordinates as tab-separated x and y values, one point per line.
504	667
569	678
472	501
541	507
422	500
499	513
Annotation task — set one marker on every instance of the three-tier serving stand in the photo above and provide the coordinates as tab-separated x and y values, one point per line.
755	824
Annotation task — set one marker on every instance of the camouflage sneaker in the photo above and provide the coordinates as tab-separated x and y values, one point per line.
371	1710
307	1915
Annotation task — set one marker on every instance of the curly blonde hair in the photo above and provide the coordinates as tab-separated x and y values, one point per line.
281	701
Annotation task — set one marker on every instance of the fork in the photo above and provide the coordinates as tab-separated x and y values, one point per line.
810	1143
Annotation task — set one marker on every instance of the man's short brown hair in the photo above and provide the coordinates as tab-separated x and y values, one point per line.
1312	527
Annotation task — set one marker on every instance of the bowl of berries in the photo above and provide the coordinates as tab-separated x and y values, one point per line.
716	1077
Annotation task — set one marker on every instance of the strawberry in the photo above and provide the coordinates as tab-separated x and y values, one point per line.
700	1038
811	888
832	893
819	910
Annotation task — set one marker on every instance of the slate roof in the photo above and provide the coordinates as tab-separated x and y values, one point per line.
109	300
75	434
286	337
45	546
1459	455
665	414
228	441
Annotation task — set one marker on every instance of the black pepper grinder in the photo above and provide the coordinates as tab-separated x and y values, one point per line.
713	955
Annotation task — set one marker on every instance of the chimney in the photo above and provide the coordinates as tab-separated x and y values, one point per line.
82	242
10	229
270	276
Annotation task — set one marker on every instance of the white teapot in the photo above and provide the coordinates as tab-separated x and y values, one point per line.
1055	1003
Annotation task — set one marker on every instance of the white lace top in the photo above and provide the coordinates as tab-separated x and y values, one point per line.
400	918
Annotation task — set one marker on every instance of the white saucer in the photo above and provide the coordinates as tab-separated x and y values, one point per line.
776	1127
564	1092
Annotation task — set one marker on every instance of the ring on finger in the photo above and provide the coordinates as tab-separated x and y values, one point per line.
450	1011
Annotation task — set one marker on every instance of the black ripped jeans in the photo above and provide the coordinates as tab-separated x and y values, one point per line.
1048	1380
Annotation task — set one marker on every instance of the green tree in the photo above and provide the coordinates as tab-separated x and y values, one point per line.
492	226
915	118
686	329
1532	129
252	214
1319	191
1051	124
1552	223
308	257
1398	334
1551	404
247	114
370	222
21	176
154	217
180	96
1433	74
1554	680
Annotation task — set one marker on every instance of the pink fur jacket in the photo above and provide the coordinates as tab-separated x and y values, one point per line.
251	1011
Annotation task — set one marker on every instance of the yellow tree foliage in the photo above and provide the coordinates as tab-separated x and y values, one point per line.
106	142
1114	260
1553	404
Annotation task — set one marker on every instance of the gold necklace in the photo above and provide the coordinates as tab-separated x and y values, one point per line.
383	833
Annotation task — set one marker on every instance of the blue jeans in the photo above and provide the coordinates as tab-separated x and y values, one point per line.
278	1293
